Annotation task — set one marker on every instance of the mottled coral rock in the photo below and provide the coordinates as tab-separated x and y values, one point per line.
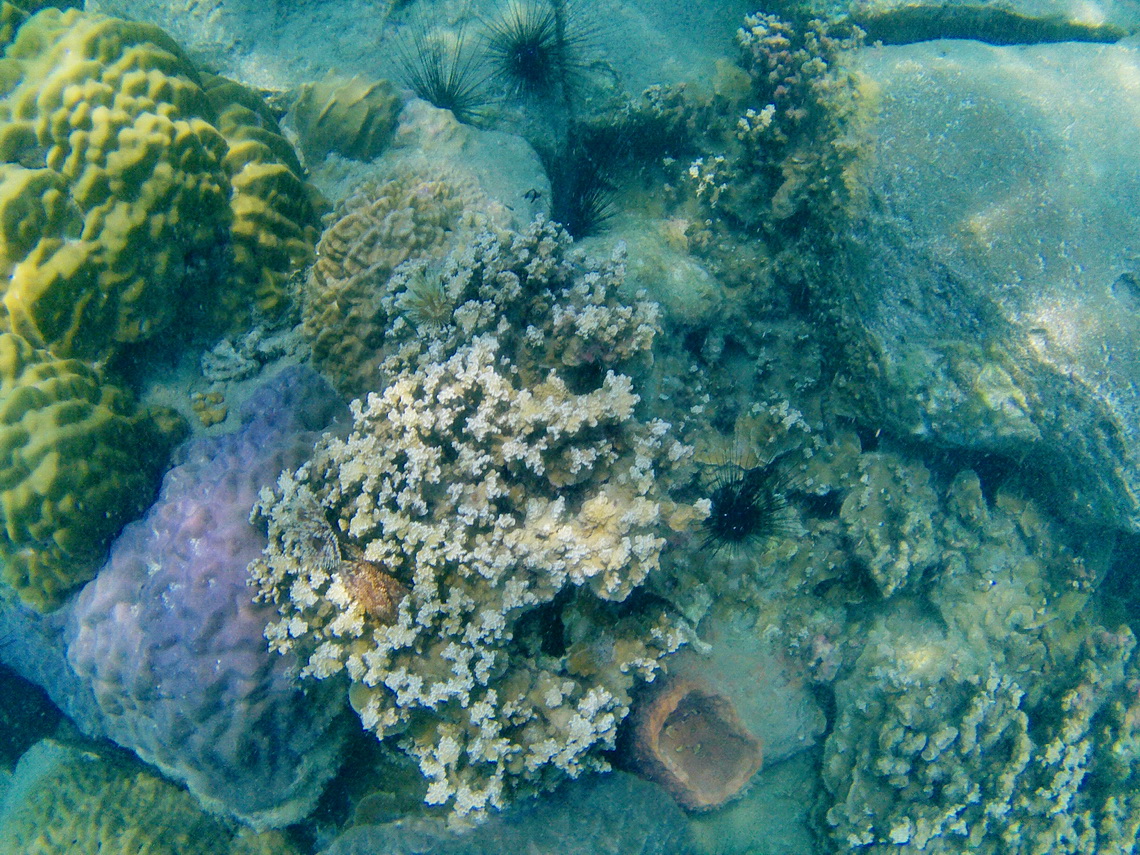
992	300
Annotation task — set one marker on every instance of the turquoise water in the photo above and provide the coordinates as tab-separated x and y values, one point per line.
640	428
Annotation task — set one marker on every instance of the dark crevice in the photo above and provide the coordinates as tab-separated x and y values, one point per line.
910	24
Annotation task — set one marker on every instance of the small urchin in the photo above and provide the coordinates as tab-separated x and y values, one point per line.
746	506
442	69
534	46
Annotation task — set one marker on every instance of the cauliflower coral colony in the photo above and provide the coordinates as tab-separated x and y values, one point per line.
467	554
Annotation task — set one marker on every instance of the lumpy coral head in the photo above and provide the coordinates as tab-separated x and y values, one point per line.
351	116
122	203
78	459
170	643
83	798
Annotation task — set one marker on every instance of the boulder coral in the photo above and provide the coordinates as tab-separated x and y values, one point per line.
170	645
78	459
612	814
69	798
419	212
123	201
352	117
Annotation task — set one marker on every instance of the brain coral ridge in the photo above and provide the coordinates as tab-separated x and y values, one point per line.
78	459
547	303
482	503
71	799
125	198
67	799
421	211
170	643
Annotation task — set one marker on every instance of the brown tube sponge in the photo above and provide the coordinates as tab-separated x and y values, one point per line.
689	739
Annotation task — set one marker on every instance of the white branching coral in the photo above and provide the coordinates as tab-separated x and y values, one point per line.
548	305
467	554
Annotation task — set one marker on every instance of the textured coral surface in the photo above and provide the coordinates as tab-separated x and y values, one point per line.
462	553
170	642
78	459
68	799
125	200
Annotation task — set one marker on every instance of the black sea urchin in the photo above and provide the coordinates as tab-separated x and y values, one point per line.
746	506
533	47
582	190
442	69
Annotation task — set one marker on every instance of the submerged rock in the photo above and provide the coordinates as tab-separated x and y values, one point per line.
993	300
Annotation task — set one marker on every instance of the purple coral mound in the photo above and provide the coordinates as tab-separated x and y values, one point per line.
168	638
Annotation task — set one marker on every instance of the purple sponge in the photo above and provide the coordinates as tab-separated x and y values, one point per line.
170	644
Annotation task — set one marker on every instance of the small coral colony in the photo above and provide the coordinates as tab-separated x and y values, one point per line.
585	451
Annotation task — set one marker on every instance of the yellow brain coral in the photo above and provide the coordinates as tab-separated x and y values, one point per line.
78	459
69	799
124	199
420	212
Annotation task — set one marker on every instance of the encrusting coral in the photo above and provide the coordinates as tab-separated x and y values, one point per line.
506	505
125	200
890	516
795	142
